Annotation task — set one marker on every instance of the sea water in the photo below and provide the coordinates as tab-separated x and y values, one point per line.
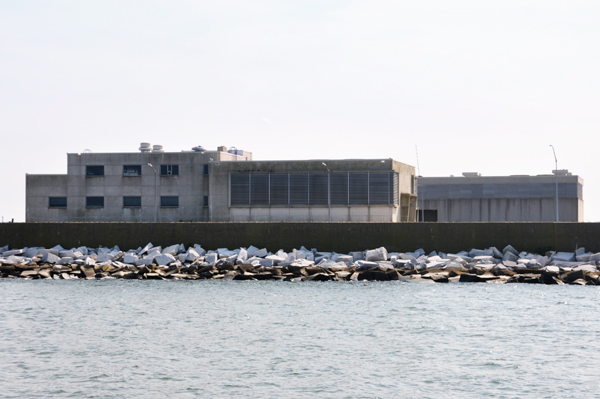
262	339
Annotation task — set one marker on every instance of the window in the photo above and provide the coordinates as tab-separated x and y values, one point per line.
94	170
169	170
169	201
206	169
132	170
206	200
57	202
94	202
132	202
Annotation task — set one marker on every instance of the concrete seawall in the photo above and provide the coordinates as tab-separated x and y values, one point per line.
339	237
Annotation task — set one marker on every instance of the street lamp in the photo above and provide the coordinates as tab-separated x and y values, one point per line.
328	190
155	193
555	178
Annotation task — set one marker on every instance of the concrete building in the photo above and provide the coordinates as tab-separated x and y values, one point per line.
222	185
476	198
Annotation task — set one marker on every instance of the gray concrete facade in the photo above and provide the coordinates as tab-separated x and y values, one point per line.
197	186
475	198
332	206
150	188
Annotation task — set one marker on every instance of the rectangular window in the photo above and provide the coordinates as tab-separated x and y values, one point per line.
94	202
240	189
94	170
57	202
169	202
205	169
206	200
169	170
132	170
132	202
259	189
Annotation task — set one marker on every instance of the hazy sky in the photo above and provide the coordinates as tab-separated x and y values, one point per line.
481	86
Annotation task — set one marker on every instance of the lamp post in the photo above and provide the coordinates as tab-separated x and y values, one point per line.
155	193
555	178
328	191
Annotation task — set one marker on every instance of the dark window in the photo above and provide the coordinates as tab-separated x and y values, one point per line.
94	170
298	189
132	202
359	188
132	170
318	189
94	202
240	189
57	202
206	200
169	170
339	188
279	189
259	189
169	201
429	215
206	169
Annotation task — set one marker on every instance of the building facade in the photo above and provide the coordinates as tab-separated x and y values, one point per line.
476	198
222	185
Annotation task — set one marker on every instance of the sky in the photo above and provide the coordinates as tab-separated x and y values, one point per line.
469	86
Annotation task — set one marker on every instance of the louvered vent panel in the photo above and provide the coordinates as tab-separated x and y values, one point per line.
279	189
240	189
359	186
339	188
317	189
259	189
298	188
379	188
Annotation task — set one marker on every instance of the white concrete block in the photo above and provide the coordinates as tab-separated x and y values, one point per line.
261	253
130	258
50	258
164	259
379	254
211	258
13	252
171	250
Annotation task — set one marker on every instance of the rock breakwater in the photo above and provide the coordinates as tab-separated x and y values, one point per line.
194	263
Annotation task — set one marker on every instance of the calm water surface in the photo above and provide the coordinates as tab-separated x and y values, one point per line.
123	338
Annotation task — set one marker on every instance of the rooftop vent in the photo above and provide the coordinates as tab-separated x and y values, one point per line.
235	151
561	172
471	174
222	149
198	148
145	147
157	148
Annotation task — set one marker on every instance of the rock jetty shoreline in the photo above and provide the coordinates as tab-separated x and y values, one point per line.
176	262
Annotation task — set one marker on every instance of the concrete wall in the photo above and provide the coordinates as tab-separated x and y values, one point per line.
502	198
340	237
505	209
191	185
